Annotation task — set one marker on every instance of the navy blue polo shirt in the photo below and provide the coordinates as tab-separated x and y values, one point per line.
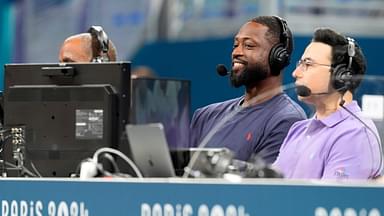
258	129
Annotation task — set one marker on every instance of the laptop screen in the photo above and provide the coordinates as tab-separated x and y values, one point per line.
149	150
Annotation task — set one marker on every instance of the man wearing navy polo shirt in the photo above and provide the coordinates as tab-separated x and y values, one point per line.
338	142
258	121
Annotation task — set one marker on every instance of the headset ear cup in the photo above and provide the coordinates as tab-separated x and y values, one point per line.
278	58
342	78
100	44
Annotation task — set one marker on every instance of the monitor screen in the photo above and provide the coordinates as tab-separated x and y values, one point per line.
165	101
66	112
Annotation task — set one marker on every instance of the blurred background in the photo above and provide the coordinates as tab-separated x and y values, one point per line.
183	39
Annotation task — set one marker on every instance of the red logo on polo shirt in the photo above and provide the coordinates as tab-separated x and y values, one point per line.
248	136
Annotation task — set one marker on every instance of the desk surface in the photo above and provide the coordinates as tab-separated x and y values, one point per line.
187	197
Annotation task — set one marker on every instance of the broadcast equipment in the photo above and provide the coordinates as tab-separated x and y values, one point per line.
68	111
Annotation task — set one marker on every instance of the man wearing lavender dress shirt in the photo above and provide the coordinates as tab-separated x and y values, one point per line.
338	142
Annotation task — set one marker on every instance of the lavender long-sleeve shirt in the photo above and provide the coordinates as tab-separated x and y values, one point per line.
336	147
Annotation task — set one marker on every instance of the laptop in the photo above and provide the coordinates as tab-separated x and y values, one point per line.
149	150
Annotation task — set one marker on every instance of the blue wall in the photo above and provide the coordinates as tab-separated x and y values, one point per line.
5	36
196	61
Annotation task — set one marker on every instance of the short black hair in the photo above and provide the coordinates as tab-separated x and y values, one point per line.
339	44
274	33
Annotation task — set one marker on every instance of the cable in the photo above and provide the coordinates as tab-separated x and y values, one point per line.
229	116
120	154
34	169
4	130
371	130
24	169
110	158
2	142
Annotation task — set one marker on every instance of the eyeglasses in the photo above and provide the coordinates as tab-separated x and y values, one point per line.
306	63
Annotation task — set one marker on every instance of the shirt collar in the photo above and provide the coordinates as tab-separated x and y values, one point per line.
241	101
340	114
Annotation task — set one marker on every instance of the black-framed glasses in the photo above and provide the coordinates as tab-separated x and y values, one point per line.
304	64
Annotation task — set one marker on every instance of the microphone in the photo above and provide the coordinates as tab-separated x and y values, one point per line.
222	70
304	91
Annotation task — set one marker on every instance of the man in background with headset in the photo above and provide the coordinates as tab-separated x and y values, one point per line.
258	121
338	142
93	46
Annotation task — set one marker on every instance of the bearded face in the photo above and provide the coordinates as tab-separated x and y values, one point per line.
250	55
250	75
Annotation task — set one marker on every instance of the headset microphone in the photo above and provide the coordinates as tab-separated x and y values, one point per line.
304	91
222	70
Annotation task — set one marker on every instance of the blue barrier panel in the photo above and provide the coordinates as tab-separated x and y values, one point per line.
190	197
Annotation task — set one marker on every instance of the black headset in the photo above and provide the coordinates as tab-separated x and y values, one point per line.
100	43
342	76
280	54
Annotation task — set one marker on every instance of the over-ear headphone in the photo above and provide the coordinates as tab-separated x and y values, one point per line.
100	43
342	78
280	54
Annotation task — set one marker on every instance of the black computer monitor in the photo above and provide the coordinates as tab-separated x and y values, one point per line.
67	111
